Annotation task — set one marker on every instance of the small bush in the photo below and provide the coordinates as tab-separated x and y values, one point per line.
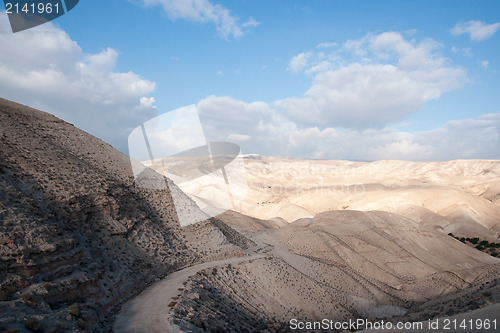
74	310
82	323
33	325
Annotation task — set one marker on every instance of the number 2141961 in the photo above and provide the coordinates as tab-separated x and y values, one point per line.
40	8
471	324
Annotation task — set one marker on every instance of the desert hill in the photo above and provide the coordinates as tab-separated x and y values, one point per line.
464	193
341	265
77	236
346	240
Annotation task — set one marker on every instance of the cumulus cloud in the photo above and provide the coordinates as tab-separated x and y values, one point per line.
466	138
485	63
258	128
326	45
299	62
465	51
228	119
44	68
224	117
405	149
360	91
477	30
205	12
373	81
238	137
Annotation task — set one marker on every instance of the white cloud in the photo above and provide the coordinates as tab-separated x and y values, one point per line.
147	102
358	90
299	62
238	137
485	63
204	11
223	116
466	138
44	68
393	78
257	128
227	119
477	30
251	23
402	150
465	51
326	45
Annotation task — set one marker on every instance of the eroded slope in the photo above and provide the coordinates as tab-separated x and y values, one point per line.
77	236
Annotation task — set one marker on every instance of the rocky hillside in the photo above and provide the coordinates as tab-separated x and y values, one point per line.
78	237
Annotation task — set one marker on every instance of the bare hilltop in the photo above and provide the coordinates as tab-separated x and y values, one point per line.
84	248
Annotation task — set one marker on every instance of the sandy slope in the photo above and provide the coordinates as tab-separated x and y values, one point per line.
316	186
464	195
338	265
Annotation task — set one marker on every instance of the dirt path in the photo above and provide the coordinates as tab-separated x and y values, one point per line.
149	312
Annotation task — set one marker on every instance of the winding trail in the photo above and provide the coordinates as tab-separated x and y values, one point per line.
149	312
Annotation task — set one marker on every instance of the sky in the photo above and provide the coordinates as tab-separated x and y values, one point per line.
351	80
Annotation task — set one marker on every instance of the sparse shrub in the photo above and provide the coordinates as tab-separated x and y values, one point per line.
33	325
30	300
74	310
462	240
82	323
54	330
197	322
484	243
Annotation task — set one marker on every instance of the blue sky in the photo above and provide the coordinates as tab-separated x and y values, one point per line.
359	80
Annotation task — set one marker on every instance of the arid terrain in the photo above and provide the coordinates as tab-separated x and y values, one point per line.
78	237
85	247
460	196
